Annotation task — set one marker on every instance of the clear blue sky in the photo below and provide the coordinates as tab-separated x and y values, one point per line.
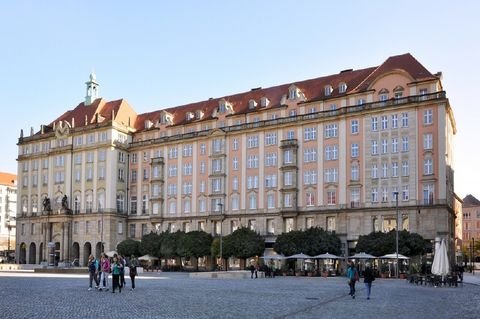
160	54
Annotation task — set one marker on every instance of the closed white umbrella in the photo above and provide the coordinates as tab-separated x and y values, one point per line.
440	265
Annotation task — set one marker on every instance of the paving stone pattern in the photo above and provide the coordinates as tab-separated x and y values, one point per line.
175	295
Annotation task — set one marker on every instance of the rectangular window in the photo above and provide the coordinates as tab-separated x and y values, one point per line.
394	145
427	141
331	152
405	169
235	144
374	171
404	119
287	157
374	195
394	120
405	192
428	117
271	139
354	172
309	155
354	126
374	147
271	159
355	197
354	150
384	170
374	124
331	197
427	166
310	134
331	175
331	224
405	144
394	169
384	122
384	146
252	141
331	130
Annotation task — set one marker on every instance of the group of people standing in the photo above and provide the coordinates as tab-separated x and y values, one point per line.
99	271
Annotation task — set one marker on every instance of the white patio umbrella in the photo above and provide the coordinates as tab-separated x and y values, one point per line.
111	253
326	256
147	258
394	256
440	265
299	256
362	256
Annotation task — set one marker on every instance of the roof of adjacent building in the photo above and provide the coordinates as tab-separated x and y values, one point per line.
8	179
470	201
356	81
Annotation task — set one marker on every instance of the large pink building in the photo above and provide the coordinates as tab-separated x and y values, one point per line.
333	152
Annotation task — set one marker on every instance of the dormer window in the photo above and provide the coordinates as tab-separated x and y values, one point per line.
225	107
342	87
264	102
292	92
190	116
198	115
148	124
252	104
328	90
166	118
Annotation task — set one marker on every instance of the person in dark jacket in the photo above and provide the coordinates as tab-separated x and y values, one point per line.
368	278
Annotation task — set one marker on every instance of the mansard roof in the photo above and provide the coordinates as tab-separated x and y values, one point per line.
357	81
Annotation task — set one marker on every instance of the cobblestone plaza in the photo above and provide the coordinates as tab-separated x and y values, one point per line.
175	295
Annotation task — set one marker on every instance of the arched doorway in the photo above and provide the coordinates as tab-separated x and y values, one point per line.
87	251
32	254
99	249
41	257
75	254
22	256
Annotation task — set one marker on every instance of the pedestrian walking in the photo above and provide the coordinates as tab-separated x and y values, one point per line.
92	272
123	263
105	266
116	270
132	267
252	270
368	278
352	275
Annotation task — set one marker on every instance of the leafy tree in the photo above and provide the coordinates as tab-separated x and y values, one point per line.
290	243
194	244
129	247
243	243
379	243
313	241
168	244
151	244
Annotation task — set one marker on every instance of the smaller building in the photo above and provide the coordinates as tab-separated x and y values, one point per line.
471	219
8	213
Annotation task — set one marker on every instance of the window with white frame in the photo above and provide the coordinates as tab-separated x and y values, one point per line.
374	124
310	199
202	205
405	193
172	189
374	172
384	195
328	90
331	197
384	170
187	206
287	156
384	121
235	163
309	155
394	120
252	161
427	141
216	165
235	202
428	117
342	87
203	149
331	130
289	225
172	152
310	134
271	181
428	194
310	177
354	126
384	146
288	179
331	175
252	182
172	170
331	224
252	141
331	152
235	183
216	185
252	201
271	139
354	197
287	200
394	169
374	144
354	150
405	169
187	188
290	135
405	144
374	195
428	166
270	201
404	119
355	172
217	145
394	145
235	144
271	159
172	207
270	226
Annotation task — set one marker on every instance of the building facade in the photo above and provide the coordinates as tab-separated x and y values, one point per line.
348	152
471	219
8	213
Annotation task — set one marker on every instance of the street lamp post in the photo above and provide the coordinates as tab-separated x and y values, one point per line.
396	231
9	227
220	205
